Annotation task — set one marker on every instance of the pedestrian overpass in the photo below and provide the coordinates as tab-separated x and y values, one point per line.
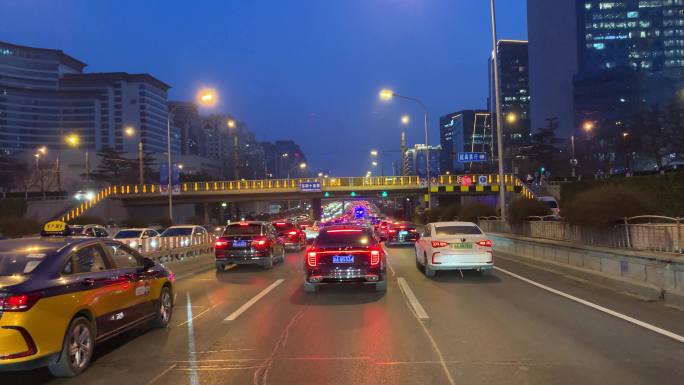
302	189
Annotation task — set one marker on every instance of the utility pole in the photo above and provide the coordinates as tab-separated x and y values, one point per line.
403	153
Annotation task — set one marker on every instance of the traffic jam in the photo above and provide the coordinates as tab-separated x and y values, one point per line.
73	287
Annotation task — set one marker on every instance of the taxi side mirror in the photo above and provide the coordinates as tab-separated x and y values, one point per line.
148	264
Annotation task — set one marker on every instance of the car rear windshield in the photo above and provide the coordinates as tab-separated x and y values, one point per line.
128	234
458	230
19	263
281	226
174	232
350	237
249	229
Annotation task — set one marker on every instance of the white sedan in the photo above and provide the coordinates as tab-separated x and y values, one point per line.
142	240
453	246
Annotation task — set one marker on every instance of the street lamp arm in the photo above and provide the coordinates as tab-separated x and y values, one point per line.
422	105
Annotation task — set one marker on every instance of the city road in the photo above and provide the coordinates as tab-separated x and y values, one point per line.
250	326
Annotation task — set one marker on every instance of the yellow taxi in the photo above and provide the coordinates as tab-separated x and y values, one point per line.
61	295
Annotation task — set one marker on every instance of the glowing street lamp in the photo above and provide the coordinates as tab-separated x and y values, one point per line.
42	150
386	94
72	140
231	123
302	165
375	164
207	97
374	152
405	120
129	131
511	118
588	126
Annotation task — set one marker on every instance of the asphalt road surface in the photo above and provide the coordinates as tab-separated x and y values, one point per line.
473	329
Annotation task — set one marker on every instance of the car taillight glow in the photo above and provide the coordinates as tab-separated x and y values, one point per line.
392	231
311	259
292	233
485	243
21	302
244	224
345	231
375	257
220	243
440	244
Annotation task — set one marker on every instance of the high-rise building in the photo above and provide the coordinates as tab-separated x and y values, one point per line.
464	131
552	53
33	110
127	100
415	160
631	34
188	125
515	93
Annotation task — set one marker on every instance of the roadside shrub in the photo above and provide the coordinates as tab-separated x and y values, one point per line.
471	212
19	227
602	206
522	208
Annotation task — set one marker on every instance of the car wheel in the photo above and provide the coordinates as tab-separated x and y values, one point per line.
77	349
486	272
428	271
268	263
310	287
164	309
381	286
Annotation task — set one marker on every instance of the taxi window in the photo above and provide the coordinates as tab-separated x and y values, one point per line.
122	258
90	259
19	263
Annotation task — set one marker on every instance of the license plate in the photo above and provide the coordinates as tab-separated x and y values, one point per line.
239	243
403	233
461	246
343	259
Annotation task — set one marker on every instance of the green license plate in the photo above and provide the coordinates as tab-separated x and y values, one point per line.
461	246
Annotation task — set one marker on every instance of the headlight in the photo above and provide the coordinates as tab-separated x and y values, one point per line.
134	244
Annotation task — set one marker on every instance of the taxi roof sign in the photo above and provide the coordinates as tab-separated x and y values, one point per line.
55	228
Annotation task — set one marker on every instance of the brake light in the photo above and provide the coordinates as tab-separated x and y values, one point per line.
220	243
392	231
412	230
485	243
311	259
244	224
260	242
345	231
375	257
440	244
280	223
383	226
21	302
292	233
402	227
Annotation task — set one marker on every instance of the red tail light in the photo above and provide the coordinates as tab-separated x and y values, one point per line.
260	243
392	231
292	233
485	243
375	257
311	259
221	243
440	244
21	302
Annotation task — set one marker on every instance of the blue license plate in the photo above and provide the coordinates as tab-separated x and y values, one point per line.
343	259
403	233
239	243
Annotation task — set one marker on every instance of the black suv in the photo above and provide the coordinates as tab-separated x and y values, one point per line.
345	254
248	243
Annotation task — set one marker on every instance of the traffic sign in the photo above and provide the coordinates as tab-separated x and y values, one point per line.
483	180
468	157
467	181
310	187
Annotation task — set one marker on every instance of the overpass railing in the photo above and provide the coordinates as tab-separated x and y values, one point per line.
295	185
646	232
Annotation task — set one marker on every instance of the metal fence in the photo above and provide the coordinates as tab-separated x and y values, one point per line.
171	249
649	232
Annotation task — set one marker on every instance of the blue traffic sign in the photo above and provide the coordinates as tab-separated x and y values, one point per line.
472	157
310	187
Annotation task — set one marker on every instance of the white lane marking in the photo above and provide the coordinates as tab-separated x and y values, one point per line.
417	308
203	270
194	378
594	306
160	375
252	301
388	262
421	315
200	313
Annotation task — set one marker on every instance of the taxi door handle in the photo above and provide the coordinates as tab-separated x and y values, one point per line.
88	282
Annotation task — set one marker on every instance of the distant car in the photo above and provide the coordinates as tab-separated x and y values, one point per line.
248	243
94	231
142	239
60	296
311	231
345	254
675	165
401	234
454	246
292	237
189	234
552	203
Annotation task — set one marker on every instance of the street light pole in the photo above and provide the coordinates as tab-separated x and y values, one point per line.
499	118
387	94
140	163
168	149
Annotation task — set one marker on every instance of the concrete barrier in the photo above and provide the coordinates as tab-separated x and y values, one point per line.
648	274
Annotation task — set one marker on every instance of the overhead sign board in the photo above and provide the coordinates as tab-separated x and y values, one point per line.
310	187
467	157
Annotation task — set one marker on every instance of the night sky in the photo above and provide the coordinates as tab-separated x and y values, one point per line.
307	70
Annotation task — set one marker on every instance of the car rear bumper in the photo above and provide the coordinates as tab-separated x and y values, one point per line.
463	266
345	276
29	363
240	257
